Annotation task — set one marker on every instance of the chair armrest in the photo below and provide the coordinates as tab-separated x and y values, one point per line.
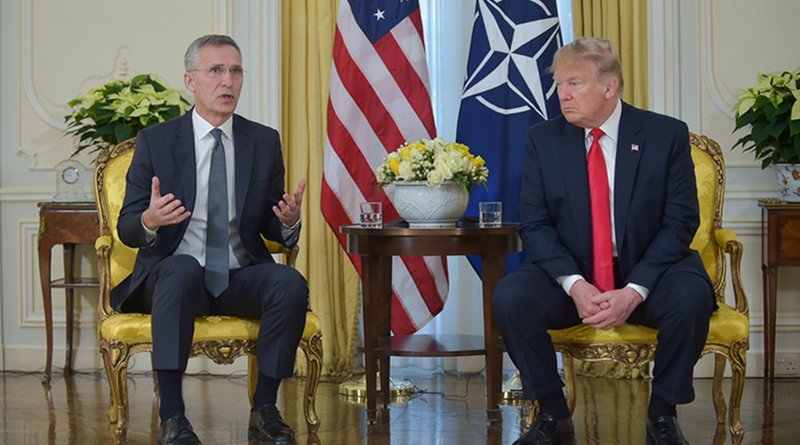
729	242
102	244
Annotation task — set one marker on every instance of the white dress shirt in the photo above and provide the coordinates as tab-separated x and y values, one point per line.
608	144
194	240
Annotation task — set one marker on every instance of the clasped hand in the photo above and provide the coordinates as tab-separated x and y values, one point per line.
604	310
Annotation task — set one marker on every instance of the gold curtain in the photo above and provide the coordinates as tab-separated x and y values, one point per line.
307	30
624	23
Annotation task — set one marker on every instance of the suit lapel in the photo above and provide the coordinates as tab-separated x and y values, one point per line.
629	150
184	158
576	180
243	148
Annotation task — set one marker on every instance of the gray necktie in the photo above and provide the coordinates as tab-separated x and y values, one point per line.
216	275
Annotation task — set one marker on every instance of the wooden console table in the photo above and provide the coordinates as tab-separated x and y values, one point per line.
376	248
67	224
780	246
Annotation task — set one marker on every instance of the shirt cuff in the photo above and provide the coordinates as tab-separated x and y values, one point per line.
149	235
566	281
288	233
643	291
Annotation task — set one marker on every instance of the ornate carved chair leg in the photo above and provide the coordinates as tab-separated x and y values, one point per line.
252	376
312	348
716	389
569	375
738	365
115	361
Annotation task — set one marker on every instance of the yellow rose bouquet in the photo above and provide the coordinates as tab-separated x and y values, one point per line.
435	161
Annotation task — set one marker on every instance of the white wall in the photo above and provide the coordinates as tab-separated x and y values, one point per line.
702	53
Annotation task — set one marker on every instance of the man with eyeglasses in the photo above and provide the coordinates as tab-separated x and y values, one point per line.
201	192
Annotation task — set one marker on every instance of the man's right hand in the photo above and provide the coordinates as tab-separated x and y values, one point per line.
582	292
163	210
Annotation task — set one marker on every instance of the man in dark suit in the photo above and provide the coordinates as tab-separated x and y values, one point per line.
608	210
201	192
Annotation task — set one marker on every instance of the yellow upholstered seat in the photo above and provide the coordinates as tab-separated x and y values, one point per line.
729	330
220	338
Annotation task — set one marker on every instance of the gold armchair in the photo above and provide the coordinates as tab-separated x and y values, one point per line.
220	338
729	330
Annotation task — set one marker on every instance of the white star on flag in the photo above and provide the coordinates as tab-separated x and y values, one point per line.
485	78
379	14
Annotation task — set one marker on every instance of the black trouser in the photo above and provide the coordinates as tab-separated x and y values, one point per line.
174	294
528	302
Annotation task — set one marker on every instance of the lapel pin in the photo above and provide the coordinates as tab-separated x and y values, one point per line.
634	147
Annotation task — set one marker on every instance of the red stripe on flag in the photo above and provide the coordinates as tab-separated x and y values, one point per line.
425	282
416	20
407	79
364	96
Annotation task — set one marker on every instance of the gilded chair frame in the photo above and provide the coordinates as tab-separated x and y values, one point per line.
116	350
634	346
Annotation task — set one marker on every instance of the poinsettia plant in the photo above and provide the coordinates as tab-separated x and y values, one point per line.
115	111
772	110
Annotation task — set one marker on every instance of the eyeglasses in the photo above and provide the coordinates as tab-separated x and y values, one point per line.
217	72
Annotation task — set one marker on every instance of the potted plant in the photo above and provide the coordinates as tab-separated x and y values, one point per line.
115	111
432	178
772	110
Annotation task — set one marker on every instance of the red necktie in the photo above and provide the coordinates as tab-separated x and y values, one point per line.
603	263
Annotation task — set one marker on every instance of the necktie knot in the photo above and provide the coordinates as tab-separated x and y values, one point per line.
217	135
596	134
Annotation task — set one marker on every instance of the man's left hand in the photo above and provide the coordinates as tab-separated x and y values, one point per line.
617	305
288	209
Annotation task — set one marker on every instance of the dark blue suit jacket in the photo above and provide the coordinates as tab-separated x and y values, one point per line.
167	150
655	199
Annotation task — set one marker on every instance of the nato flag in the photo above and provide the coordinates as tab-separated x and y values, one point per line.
507	89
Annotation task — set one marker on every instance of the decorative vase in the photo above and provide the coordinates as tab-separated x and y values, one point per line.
788	182
425	206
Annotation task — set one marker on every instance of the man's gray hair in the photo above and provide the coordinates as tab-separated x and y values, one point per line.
192	55
599	51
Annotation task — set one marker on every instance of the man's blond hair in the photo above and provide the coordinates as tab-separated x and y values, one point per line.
598	51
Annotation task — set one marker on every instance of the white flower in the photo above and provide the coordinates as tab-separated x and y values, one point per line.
405	171
440	165
435	178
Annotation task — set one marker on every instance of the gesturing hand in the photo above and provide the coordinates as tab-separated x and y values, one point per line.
163	210
288	209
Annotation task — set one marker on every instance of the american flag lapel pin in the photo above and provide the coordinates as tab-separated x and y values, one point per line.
635	147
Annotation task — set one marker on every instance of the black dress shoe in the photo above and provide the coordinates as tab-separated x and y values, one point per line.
177	431
267	427
664	430
547	430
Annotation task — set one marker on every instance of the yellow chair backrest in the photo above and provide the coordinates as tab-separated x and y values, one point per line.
112	193
709	167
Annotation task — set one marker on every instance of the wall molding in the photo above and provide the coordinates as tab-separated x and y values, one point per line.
724	105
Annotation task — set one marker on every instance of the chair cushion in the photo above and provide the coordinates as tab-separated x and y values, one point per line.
727	325
135	328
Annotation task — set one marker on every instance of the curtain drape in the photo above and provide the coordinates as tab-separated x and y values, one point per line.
624	23
307	40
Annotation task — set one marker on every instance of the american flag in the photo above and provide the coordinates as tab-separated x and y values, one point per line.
378	101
